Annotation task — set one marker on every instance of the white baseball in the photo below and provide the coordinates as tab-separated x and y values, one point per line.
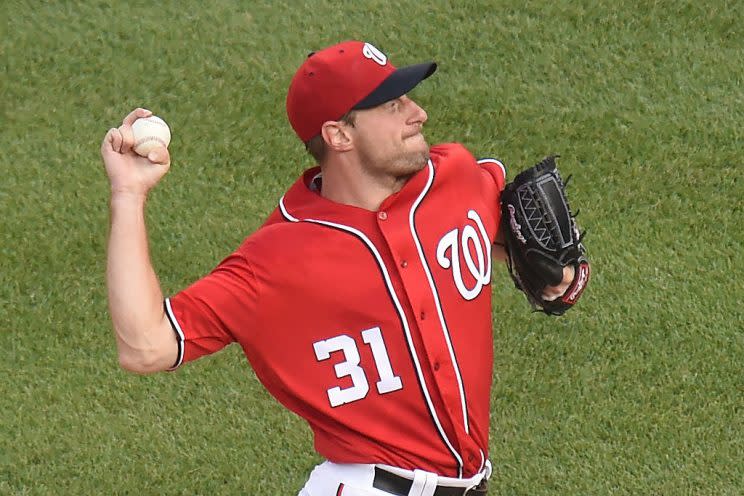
149	133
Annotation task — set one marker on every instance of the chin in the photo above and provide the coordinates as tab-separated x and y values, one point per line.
416	162
424	156
420	146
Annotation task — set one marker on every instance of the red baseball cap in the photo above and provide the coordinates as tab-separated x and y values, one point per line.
349	76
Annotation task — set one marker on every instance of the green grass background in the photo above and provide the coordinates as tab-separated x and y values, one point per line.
639	390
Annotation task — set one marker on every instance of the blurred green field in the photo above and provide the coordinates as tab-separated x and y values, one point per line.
638	391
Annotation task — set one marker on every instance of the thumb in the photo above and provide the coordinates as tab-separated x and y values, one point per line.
159	155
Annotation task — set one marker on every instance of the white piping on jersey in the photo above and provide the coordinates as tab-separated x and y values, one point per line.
484	462
435	293
181	338
401	314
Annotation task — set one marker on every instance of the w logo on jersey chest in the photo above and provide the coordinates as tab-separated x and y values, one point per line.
469	247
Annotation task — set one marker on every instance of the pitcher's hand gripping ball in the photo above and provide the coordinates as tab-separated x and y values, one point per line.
541	237
150	133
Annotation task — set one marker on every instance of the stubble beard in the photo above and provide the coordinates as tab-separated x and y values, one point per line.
410	164
400	166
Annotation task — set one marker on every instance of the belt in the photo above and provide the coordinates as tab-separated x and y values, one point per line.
400	486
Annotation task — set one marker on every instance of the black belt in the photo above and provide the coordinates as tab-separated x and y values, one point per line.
400	486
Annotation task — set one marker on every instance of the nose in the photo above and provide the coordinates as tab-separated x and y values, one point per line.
417	115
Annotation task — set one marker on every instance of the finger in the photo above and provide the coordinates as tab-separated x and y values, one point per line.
126	128
127	138
115	139
551	293
134	115
569	272
106	143
159	155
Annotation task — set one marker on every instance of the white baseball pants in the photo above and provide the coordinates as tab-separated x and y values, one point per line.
334	479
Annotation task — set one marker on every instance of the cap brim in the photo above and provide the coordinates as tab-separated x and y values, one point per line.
397	84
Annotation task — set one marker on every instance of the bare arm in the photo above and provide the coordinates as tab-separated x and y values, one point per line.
144	337
498	251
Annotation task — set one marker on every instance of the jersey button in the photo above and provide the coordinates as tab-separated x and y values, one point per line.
382	215
423	315
436	366
404	264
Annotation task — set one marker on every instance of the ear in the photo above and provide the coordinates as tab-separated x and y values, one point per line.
336	136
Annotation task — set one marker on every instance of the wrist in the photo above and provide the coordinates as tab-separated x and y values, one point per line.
127	200
127	196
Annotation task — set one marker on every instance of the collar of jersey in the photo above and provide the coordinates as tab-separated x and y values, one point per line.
302	202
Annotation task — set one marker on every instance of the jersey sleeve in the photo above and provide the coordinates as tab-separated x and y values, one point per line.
206	315
493	180
496	171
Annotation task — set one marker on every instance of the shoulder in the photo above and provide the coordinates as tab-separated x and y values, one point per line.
276	234
456	159
451	154
495	168
283	239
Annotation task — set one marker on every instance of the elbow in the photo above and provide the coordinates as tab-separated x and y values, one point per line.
135	364
139	362
146	352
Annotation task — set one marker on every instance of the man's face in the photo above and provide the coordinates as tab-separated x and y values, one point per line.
388	138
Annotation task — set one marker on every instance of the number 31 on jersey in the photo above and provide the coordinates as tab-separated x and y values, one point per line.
351	366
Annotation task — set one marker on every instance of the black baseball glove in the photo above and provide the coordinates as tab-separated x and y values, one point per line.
541	237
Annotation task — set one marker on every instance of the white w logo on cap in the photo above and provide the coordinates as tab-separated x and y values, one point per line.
371	52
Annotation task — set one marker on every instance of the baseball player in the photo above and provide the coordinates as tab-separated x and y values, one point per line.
363	303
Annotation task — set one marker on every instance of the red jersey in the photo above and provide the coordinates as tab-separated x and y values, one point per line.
375	327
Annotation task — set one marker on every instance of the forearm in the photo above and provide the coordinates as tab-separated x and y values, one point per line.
498	250
144	340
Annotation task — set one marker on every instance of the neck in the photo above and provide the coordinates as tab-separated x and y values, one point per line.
352	185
